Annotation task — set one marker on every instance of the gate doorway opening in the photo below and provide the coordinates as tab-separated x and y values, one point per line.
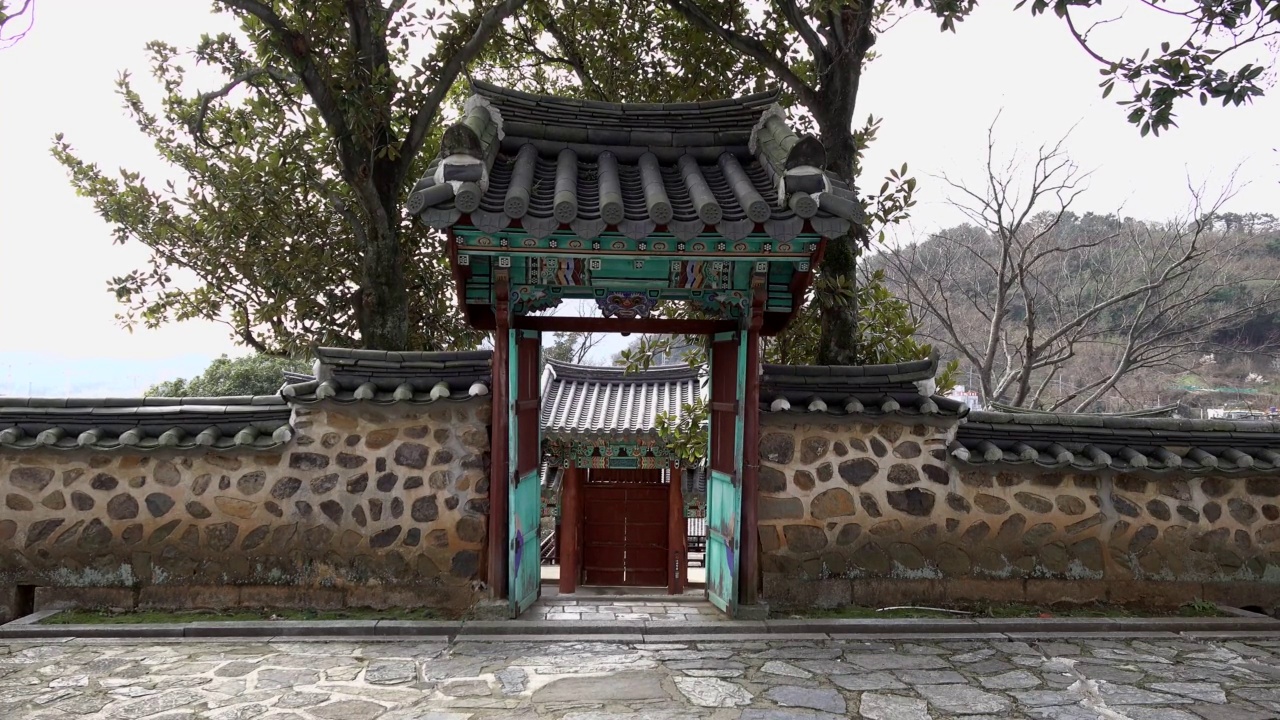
625	528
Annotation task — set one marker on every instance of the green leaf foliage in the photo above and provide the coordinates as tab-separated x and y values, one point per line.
285	219
248	375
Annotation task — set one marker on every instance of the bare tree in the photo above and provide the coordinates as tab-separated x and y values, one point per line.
573	347
1028	288
17	17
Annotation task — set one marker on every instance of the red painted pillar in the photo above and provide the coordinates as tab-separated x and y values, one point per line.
500	444
570	528
676	555
750	567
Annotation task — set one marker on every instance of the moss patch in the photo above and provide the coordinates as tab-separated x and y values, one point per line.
110	617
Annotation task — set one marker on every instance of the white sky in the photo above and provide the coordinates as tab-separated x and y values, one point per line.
936	93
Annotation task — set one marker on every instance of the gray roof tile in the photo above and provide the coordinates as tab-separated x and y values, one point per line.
585	401
110	424
706	132
854	390
414	377
1126	442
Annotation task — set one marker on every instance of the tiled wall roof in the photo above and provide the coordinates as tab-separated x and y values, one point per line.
1091	442
903	389
142	424
381	376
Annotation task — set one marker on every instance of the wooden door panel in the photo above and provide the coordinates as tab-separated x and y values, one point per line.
625	528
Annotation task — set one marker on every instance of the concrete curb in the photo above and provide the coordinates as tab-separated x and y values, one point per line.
655	631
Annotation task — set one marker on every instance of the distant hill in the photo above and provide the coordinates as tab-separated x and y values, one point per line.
1189	312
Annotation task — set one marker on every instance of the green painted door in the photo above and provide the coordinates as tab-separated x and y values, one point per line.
724	486
524	574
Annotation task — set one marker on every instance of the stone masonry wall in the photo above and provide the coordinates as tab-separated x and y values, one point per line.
853	512
367	506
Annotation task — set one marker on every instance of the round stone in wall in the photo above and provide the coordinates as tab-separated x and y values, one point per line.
31	479
286	487
1158	510
1241	511
869	504
1070	505
836	502
903	474
424	509
54	500
907	449
470	529
778	447
17	502
166	474
412	455
858	471
991	504
1034	503
804	538
350	461
813	449
95	536
158	504
324	483
912	501
122	507
308	461
1264	486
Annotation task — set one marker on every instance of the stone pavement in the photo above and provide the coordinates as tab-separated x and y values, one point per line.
1165	677
585	608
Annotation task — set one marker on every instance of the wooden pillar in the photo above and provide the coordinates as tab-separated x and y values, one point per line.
570	528
749	578
677	558
500	443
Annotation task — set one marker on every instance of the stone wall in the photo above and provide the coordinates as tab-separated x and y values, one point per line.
366	506
880	514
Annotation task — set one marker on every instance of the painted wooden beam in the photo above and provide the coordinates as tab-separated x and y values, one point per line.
619	325
498	481
750	567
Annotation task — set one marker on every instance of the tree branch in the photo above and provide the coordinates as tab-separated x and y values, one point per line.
430	107
196	124
794	16
748	46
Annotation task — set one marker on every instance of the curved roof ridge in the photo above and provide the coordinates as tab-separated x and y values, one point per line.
523	105
614	374
1010	420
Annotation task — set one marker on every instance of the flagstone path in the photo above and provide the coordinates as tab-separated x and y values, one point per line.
1157	678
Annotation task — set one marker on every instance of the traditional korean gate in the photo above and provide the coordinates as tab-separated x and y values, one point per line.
625	528
524	566
724	486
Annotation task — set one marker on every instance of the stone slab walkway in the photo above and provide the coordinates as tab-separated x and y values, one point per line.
658	608
1163	677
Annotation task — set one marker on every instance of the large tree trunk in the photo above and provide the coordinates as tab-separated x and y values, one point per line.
384	301
836	100
838	343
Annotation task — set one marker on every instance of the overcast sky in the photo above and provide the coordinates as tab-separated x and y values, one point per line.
937	94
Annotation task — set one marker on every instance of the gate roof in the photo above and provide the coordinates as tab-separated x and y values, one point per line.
644	202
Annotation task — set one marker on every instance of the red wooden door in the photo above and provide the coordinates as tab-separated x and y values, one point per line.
625	528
